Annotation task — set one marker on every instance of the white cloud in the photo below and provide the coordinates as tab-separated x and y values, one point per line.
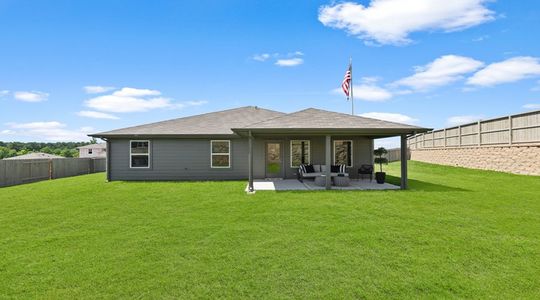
4	93
96	89
481	38
370	92
132	92
32	96
49	131
392	21
194	103
290	59
459	120
37	125
443	70
128	100
510	70
261	57
392	117
120	104
87	129
96	115
532	106
289	62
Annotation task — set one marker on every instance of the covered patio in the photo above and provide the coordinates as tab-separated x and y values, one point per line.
322	129
309	185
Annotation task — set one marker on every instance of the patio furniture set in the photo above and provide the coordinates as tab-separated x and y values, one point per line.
338	174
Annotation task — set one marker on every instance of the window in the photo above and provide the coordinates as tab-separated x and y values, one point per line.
220	156
300	153
89	151
139	153
343	153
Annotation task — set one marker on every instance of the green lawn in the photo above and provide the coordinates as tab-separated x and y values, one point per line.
455	233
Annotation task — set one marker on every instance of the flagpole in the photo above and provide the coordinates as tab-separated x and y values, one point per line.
351	89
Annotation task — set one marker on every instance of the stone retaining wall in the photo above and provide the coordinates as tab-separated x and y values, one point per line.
518	159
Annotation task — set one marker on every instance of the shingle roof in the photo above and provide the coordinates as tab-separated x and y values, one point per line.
94	146
227	122
312	118
215	123
35	155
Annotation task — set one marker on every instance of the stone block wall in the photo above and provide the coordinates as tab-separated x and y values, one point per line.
518	159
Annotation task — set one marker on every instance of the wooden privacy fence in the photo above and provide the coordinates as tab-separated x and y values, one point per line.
509	130
394	154
19	171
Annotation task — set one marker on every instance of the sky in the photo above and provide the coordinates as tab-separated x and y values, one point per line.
69	68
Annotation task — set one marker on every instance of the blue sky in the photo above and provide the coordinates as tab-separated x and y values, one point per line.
428	62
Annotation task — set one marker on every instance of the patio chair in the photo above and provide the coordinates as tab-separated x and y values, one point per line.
366	170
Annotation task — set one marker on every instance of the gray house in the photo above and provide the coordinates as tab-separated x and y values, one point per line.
247	142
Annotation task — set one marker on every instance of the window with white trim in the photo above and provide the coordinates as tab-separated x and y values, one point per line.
300	153
139	154
220	154
89	151
343	152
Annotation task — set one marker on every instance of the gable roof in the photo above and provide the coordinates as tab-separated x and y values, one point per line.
243	119
34	155
318	119
214	123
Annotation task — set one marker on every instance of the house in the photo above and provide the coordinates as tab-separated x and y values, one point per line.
35	155
247	142
93	151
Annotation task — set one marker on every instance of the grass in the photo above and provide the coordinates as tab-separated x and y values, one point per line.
456	233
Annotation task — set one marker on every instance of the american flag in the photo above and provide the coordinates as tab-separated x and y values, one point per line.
346	84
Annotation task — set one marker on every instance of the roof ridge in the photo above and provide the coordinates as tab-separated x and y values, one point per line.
193	116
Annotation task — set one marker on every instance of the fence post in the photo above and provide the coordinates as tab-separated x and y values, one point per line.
445	138
479	133
510	130
459	135
50	169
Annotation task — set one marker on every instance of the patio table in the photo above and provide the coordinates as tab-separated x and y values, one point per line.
320	180
341	180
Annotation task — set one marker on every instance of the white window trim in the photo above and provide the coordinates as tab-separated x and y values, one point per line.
90	151
290	152
130	154
212	154
352	151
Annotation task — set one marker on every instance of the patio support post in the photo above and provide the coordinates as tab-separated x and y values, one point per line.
328	162
250	163
404	162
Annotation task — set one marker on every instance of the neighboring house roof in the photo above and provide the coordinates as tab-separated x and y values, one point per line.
215	123
313	119
252	118
35	155
94	146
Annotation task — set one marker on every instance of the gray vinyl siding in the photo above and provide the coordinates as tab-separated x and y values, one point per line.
178	159
189	159
362	153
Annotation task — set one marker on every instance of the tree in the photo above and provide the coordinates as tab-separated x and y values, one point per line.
380	159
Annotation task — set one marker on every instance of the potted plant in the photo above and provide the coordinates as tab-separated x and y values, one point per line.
380	159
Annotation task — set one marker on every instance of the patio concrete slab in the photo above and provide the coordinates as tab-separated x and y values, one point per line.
295	185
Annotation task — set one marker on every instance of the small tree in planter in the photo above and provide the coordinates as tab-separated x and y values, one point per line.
380	159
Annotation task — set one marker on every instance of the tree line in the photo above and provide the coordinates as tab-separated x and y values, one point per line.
65	149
